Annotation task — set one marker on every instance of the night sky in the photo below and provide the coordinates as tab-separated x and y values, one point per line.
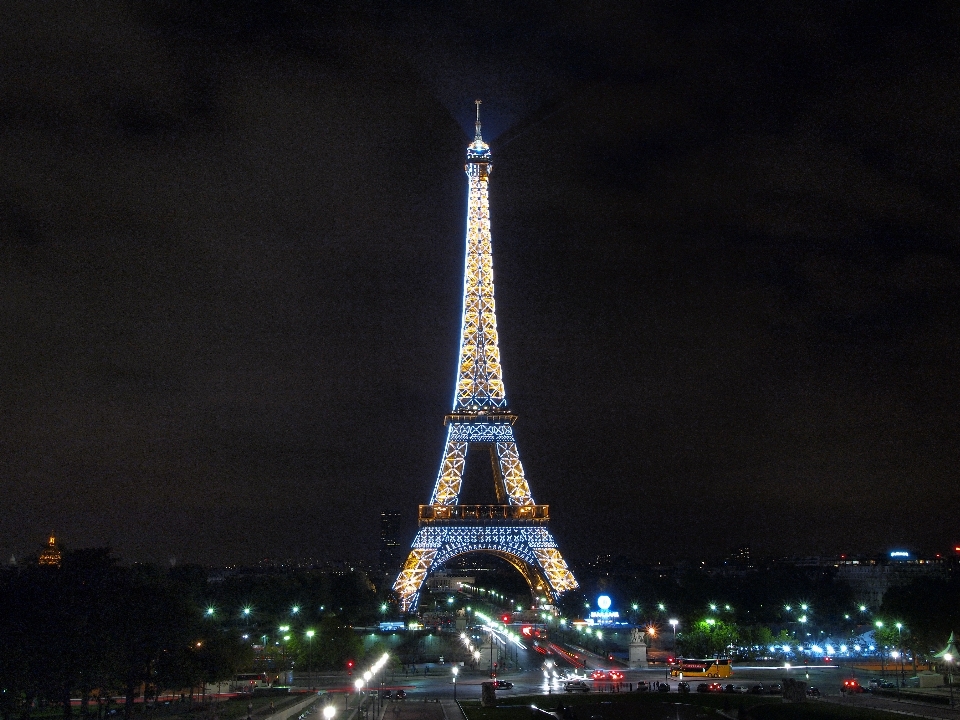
725	244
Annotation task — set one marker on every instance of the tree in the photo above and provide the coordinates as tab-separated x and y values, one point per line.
708	638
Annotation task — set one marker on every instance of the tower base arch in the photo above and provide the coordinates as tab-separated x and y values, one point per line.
531	549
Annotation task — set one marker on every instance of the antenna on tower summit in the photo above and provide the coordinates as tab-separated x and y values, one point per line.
478	118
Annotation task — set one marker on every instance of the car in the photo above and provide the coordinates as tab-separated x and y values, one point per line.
643	686
703	687
502	684
852	686
401	694
758	689
663	687
616	675
600	675
683	686
387	694
775	689
715	687
576	686
813	691
729	688
740	689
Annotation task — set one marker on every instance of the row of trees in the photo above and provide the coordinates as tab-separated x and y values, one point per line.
94	629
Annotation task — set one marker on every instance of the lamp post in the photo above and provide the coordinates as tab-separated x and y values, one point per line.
883	653
949	659
673	623
896	654
328	712
310	635
358	684
900	650
455	671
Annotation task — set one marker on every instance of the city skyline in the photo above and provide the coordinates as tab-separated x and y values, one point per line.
726	256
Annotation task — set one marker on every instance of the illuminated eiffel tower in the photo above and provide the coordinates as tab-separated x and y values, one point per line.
516	529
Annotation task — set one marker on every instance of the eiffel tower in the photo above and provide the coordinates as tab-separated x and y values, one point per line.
515	529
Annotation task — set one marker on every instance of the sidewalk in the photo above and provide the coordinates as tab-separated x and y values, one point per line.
914	708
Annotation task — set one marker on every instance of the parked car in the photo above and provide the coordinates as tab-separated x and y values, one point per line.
643	686
715	687
401	695
576	686
703	687
740	689
683	686
387	694
813	692
729	688
758	689
663	687
852	685
502	684
775	689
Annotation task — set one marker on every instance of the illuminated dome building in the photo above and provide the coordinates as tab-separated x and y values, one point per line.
50	555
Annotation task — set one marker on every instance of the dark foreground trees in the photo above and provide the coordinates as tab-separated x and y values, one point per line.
92	629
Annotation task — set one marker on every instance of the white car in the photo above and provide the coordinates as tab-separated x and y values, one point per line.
576	686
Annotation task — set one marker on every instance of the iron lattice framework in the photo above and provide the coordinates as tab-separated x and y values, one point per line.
516	529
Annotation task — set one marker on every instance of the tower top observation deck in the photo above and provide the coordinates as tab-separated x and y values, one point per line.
478	151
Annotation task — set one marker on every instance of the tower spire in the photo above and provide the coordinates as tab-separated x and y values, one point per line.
477	136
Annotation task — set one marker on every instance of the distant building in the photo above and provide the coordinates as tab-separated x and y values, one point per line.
391	552
449	581
50	555
871	578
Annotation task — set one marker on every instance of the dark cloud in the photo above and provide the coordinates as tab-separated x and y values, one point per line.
231	247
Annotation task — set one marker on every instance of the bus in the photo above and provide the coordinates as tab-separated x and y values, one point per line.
248	682
711	667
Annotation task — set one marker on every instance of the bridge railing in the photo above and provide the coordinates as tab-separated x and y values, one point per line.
484	513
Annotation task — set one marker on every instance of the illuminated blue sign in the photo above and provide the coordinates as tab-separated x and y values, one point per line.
603	602
899	554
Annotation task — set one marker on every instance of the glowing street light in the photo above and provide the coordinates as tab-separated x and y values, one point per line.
358	684
329	711
949	658
673	623
310	634
455	671
900	650
883	654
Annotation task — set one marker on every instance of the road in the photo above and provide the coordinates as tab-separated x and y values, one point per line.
439	685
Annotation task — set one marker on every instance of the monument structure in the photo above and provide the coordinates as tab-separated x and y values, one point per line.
515	529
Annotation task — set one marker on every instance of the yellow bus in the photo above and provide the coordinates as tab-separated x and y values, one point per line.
711	667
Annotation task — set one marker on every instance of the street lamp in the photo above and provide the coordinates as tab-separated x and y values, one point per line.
358	684
949	658
310	634
896	654
883	670
673	623
900	650
329	711
455	671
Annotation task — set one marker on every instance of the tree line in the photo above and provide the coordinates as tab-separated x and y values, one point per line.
96	630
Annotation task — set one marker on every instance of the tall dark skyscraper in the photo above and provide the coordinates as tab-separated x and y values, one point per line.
390	551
